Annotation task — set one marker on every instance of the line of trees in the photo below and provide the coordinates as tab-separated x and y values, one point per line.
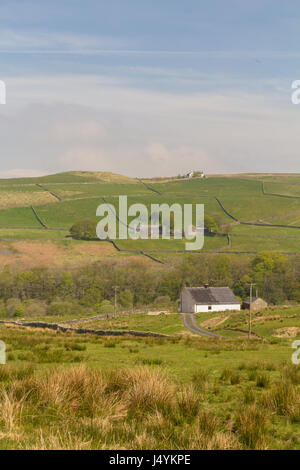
85	229
55	292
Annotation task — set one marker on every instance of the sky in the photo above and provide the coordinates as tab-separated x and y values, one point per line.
149	88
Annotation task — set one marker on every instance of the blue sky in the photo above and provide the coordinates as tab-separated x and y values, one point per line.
149	88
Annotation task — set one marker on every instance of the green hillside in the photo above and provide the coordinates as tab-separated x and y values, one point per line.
259	212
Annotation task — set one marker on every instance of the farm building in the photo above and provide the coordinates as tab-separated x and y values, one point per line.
256	304
189	174
206	299
193	173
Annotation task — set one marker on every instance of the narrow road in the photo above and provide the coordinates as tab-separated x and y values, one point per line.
190	322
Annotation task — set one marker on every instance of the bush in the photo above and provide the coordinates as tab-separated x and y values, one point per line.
64	308
106	307
3	312
126	298
162	301
11	306
210	224
20	310
34	308
84	229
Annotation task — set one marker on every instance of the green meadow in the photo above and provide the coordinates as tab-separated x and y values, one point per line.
224	197
70	391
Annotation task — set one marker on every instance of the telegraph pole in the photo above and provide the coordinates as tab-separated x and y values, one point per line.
250	310
116	290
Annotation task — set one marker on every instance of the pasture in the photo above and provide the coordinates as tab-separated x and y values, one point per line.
248	207
68	391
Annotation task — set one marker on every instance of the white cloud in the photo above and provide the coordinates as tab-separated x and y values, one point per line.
94	122
83	158
16	41
158	152
85	131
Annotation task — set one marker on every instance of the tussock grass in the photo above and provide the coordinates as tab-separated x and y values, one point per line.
291	372
250	425
141	408
200	380
150	401
249	395
284	400
230	376
262	380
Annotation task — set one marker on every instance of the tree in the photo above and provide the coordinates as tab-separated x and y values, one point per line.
84	229
269	262
64	308
106	307
19	312
210	224
66	286
126	298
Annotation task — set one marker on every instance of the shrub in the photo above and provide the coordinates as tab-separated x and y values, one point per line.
126	298
20	310
64	308
106	307
84	229
11	306
34	308
162	301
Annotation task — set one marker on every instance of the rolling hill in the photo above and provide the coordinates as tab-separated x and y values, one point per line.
254	211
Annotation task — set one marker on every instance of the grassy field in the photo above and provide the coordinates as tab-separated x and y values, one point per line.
60	253
69	177
33	234
75	191
276	323
181	392
80	193
70	391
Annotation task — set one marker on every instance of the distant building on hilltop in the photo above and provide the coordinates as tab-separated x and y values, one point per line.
207	299
193	174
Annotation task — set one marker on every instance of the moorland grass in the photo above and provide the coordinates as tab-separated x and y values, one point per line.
140	408
179	392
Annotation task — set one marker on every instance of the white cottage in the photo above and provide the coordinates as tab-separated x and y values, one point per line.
208	299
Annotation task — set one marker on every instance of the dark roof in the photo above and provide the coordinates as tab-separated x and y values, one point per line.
211	295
